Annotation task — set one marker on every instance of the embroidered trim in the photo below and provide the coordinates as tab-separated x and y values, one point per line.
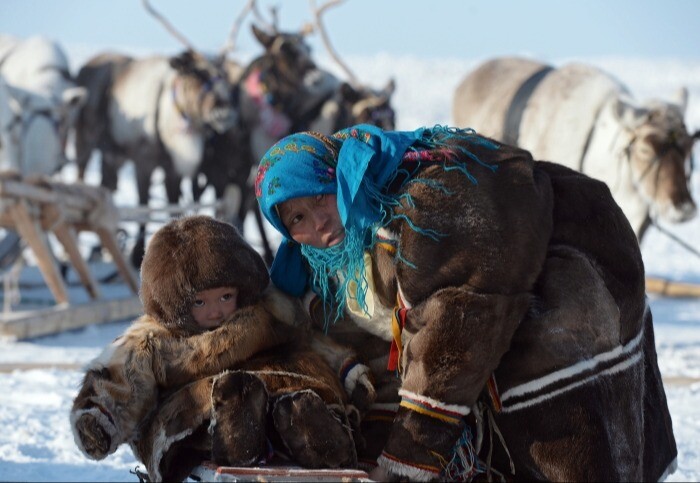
398	321
493	393
414	471
450	413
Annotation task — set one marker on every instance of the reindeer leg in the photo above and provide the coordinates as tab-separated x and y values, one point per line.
143	183
172	184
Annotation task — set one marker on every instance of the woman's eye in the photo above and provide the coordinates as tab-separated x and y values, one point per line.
199	303
226	297
296	220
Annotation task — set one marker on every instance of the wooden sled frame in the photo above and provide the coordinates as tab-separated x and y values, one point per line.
33	208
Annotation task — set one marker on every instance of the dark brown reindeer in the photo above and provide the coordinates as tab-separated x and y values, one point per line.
283	91
156	112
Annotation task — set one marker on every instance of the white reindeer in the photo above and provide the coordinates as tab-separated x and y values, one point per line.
41	104
582	117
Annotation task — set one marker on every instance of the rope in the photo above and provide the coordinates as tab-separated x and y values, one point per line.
675	238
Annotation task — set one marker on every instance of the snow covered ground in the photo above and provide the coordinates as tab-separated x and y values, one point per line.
36	443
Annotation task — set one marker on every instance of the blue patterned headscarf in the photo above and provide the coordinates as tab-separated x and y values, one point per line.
357	164
354	164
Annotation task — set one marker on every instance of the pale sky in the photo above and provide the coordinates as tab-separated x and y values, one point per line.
547	29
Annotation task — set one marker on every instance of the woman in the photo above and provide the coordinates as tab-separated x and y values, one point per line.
497	268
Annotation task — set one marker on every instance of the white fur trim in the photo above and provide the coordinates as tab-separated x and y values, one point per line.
104	421
386	234
160	445
411	472
359	372
573	370
105	357
405	301
455	408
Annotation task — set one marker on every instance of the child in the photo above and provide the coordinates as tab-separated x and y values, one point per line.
218	358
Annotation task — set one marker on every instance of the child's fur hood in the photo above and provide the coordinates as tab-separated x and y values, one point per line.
192	254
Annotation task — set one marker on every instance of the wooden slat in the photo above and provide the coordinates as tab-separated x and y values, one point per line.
20	190
69	239
28	229
35	323
671	288
209	471
127	272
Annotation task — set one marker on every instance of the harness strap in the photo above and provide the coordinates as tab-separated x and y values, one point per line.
516	109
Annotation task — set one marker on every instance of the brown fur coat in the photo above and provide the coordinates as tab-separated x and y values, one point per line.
179	395
539	281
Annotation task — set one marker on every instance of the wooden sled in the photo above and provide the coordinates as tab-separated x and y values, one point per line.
671	288
36	207
209	471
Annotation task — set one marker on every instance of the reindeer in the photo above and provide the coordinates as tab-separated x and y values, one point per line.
587	120
156	111
283	91
39	101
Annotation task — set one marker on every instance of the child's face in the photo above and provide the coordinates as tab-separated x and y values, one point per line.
313	220
211	307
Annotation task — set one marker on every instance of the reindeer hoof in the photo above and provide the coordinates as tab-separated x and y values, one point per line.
239	413
96	441
315	436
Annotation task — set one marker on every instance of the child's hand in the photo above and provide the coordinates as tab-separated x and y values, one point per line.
357	380
94	434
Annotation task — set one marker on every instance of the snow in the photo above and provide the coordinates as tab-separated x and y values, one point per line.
36	443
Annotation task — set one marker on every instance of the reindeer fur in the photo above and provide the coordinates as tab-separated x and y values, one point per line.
537	279
179	395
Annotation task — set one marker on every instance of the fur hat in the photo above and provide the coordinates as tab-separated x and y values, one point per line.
192	254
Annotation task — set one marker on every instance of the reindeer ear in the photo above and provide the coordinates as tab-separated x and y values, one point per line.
389	88
264	38
348	92
682	99
182	62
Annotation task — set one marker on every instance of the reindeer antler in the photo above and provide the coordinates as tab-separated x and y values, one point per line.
230	44
168	26
318	12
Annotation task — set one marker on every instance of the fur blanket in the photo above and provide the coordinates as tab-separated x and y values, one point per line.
178	401
527	345
179	394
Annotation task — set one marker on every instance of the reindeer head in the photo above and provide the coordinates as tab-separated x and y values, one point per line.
660	156
204	93
289	53
34	128
368	106
207	98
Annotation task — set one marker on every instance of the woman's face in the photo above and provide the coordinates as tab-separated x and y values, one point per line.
313	220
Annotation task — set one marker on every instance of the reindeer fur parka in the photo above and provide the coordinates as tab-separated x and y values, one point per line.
180	395
527	345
